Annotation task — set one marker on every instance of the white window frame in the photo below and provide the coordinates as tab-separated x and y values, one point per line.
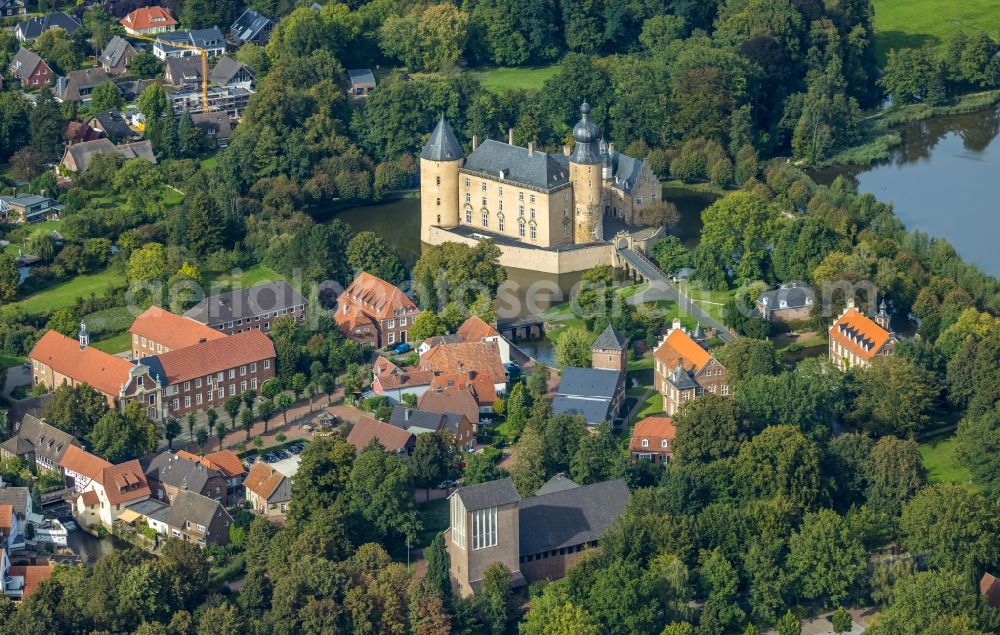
484	528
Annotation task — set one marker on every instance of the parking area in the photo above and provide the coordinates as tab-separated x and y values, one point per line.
285	460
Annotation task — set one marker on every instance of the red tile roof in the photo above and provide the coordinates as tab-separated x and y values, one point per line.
655	429
263	480
82	462
6	518
90	498
475	329
33	575
678	348
173	331
224	461
216	356
454	401
392	438
148	18
989	586
375	297
854	324
123	482
391	377
482	357
482	386
106	373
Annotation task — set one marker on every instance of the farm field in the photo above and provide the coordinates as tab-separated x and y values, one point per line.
911	23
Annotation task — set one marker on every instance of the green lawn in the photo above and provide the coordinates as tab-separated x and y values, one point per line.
9	361
434	518
653	405
247	278
116	344
209	163
504	78
911	23
23	231
644	363
938	456
65	293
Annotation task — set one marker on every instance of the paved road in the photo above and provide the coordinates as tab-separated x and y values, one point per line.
661	288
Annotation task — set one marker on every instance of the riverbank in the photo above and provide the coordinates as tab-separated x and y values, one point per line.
880	140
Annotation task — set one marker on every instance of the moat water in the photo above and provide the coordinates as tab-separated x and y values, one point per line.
942	180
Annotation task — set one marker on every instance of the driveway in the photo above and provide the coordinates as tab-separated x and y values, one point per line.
16	376
822	626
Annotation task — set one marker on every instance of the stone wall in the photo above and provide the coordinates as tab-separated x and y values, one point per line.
541	260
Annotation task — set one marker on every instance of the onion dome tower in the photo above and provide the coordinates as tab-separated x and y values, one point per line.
585	167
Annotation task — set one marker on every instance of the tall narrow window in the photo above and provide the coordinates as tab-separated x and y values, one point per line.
457	522
486	219
520	229
500	223
484	528
534	233
468	215
439	180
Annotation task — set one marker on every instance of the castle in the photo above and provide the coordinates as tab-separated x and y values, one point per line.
548	212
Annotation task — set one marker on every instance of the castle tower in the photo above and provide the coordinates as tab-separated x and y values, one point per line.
585	173
882	317
83	336
440	160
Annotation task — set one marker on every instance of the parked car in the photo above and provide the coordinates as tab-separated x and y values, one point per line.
402	348
447	484
281	454
295	449
512	370
270	458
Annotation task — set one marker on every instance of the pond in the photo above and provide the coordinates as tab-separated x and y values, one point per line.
941	180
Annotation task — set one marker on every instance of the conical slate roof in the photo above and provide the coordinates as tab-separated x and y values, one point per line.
609	339
442	146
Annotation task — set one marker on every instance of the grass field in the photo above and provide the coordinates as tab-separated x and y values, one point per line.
246	278
911	23
113	345
504	78
938	456
27	230
434	518
653	405
65	293
9	361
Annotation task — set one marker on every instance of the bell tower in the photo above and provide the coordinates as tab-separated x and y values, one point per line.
440	160
585	173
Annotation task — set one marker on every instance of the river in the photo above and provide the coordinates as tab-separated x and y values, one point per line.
941	180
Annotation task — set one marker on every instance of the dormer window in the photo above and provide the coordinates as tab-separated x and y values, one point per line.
663	444
645	443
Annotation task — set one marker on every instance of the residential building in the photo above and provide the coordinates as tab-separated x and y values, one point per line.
229	72
19	500
526	195
989	588
27	208
362	81
149	21
460	402
435	340
9	8
856	339
20	581
203	376
169	474
57	360
116	56
250	308
536	538
482	358
231	100
392	381
198	519
393	439
610	350
226	462
479	385
183	71
30	70
474	329
793	301
653	440
103	490
684	370
11	530
78	157
267	490
37	443
418	421
250	27
112	124
209	40
78	85
371	311
78	132
30	30
216	126
157	331
594	393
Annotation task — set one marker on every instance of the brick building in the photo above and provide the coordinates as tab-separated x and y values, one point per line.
249	308
685	370
157	331
371	311
856	339
610	351
653	440
169	473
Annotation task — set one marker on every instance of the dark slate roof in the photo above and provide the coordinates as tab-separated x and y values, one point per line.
170	469
595	411
24	63
183	69
191	506
70	87
588	382
406	418
16	497
361	76
210	38
47	441
152	508
442	146
224	71
681	379
113	124
34	27
112	53
793	295
625	172
213	124
557	483
515	164
609	339
233	305
248	25
489	494
570	517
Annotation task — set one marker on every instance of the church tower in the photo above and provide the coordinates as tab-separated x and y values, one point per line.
585	173
440	160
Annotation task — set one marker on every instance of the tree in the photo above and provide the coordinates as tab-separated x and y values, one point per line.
232	408
829	117
599	457
368	252
435	458
249	397
9	277
75	409
738	230
246	422
789	624
265	410
978	441
748	357
670	254
106	96
921	599
283	403
171	431
147	264
912	75
14	114
46	125
430	39
527	466
953	528
467	271
298	384
561	440
825	557
895	396
381	491
781	461
492	598
573	348
191	421
205	224
220	619
324	469
842	620
897	473
438	566
211	417
125	435
201	436
553	613
709	428
425	325
721	584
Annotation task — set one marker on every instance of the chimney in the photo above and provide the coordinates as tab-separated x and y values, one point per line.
676	324
531	148
475	142
611	148
510	136
406	415
566	150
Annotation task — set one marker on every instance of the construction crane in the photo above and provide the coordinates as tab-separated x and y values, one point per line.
181	45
